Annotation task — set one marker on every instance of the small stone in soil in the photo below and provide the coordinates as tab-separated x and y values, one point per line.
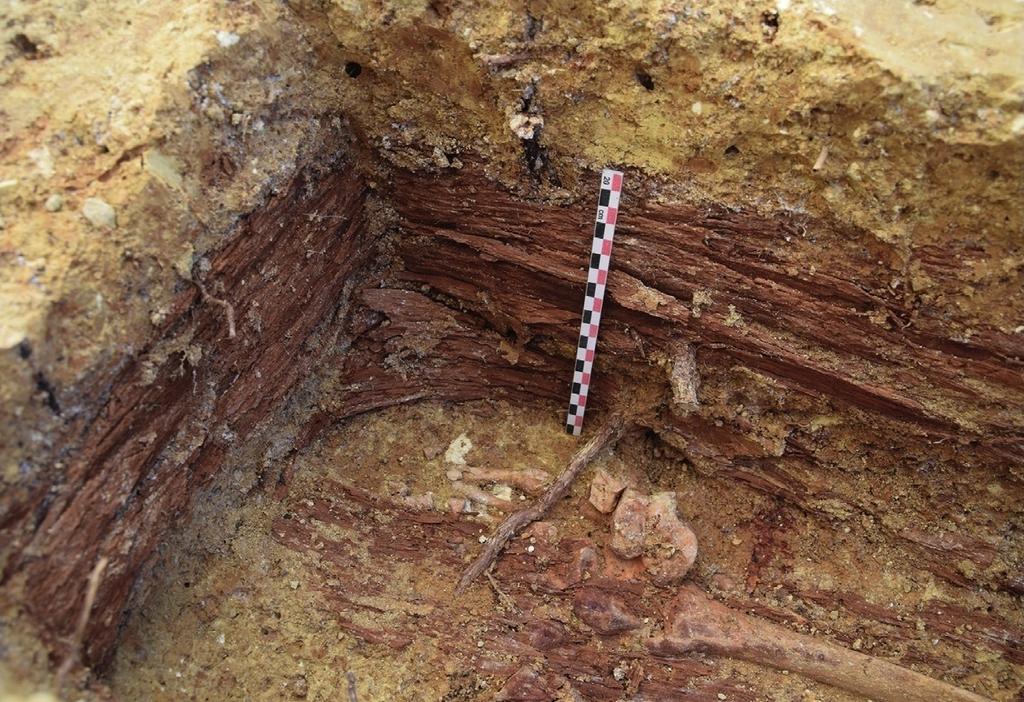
99	213
54	203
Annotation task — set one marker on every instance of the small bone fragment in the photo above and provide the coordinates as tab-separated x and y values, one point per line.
629	524
459	505
421	503
545	634
529	480
500	61
502	492
482	496
605	489
529	683
695	622
650	527
543	531
514	523
457	450
670	547
616	567
604	612
819	162
573	573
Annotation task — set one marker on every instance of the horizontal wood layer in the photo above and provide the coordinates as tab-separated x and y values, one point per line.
480	298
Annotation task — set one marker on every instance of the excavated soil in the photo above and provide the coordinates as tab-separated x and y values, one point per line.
350	567
261	262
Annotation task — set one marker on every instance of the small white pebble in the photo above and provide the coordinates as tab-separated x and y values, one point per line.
525	126
457	450
294	584
502	492
220	638
721	695
479	644
697	108
482	539
54	203
227	39
99	213
530	549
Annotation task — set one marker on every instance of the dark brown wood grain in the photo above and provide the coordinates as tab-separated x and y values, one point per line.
134	464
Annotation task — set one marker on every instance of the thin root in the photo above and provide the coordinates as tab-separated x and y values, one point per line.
228	309
517	521
75	644
504	599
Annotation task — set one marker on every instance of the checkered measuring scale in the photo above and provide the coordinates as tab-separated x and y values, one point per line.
597	276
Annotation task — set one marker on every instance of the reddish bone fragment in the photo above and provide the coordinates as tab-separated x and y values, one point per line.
529	480
604	612
697	623
518	521
477	495
605	489
629	523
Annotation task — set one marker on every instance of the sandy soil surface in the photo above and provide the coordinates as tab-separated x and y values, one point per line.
286	594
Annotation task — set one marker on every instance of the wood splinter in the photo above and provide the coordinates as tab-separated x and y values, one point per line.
695	622
74	652
517	521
